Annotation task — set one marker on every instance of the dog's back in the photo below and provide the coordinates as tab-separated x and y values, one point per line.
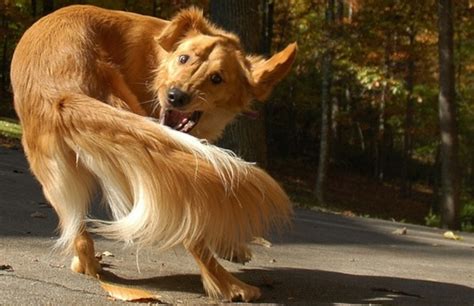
79	49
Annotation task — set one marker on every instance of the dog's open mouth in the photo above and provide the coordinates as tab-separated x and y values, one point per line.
183	122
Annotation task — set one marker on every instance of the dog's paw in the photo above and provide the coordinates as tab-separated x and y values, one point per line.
245	293
91	268
240	258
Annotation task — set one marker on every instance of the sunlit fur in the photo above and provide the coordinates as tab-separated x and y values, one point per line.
84	80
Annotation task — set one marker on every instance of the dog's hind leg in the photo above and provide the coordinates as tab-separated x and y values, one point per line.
217	281
241	255
68	186
84	261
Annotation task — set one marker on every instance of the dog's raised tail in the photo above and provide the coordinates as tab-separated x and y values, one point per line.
164	187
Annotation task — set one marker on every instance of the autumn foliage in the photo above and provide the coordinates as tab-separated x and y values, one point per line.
384	88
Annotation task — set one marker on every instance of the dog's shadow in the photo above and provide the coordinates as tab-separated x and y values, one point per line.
290	285
177	282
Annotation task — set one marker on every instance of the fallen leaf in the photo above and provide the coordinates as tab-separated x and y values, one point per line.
44	205
348	213
7	268
400	231
128	294
59	266
451	235
38	214
261	241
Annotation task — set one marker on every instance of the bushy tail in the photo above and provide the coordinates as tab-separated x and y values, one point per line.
165	187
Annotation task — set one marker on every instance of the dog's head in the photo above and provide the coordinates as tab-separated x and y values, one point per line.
205	79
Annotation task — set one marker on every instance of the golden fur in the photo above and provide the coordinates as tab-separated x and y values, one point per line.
85	80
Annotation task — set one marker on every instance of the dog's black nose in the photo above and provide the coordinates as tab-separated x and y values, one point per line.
177	97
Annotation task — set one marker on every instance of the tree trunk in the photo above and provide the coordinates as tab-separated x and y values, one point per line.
33	8
336	100
48	6
154	8
4	80
380	140
322	172
267	26
435	205
450	183
245	136
408	134
379	167
340	12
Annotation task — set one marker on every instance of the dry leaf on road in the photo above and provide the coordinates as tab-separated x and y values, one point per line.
400	231
128	294
261	241
38	214
7	268
451	235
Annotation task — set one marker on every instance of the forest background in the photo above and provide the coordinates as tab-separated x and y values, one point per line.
355	128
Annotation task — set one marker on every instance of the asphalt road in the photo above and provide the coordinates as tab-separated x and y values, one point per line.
324	258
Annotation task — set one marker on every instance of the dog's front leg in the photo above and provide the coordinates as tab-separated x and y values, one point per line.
217	281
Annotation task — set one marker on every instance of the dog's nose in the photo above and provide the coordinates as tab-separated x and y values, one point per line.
177	97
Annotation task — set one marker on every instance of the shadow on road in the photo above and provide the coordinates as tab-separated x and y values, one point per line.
24	213
288	285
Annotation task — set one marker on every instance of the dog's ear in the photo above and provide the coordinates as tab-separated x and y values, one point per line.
266	73
185	21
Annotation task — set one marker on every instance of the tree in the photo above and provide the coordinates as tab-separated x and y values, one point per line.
33	8
4	31
48	6
325	110
450	189
407	137
245	136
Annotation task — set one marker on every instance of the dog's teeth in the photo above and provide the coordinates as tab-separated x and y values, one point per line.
189	125
162	118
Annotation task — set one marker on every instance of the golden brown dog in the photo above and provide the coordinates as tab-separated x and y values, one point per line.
84	81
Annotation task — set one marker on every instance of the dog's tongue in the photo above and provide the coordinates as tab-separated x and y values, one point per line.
183	122
172	118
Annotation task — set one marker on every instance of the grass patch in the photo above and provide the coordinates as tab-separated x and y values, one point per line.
10	128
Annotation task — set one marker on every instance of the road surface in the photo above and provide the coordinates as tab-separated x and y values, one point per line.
324	258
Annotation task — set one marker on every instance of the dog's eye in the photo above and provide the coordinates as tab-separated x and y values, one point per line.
216	78
183	58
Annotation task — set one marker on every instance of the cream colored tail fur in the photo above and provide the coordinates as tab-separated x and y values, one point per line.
165	187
